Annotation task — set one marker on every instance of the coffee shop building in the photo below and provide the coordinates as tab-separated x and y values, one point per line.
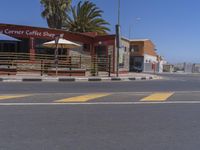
92	44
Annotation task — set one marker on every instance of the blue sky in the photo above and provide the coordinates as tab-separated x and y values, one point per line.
173	25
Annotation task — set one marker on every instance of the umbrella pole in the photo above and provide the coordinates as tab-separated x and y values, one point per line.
61	51
56	54
56	61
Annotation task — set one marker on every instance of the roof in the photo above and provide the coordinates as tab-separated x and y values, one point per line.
142	40
135	40
4	37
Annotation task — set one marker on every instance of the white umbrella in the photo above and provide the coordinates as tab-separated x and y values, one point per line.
62	43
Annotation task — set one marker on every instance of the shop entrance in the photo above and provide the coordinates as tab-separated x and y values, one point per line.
136	63
101	55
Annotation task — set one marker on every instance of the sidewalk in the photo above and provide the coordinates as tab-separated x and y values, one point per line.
101	77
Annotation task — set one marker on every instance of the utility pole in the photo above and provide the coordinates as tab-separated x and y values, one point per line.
118	37
119	5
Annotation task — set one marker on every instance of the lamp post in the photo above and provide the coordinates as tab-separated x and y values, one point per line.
118	37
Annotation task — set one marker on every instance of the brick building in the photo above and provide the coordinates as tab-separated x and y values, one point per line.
142	55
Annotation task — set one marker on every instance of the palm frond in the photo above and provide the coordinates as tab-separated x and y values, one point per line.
86	17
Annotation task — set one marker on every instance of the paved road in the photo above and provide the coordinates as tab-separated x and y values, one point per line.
153	115
170	83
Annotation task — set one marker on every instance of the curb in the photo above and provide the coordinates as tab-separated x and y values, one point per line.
31	80
78	79
66	79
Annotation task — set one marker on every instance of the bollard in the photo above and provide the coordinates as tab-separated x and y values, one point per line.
41	68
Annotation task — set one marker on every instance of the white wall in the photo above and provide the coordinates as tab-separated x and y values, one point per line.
150	59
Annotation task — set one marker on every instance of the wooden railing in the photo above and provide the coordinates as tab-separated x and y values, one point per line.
13	63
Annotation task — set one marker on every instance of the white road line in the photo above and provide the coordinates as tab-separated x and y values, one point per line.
100	103
137	93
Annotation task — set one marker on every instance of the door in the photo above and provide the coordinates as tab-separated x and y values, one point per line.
102	58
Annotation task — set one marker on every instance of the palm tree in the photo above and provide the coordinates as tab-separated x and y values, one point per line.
86	17
55	12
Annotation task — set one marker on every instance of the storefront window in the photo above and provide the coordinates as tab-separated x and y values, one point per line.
23	45
86	47
110	52
122	57
8	47
134	48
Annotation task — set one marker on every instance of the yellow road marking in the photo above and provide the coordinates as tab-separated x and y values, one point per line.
5	97
158	96
83	98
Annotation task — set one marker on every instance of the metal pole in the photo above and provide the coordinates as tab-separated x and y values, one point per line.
80	61
118	38
41	67
119	12
109	63
56	53
118	46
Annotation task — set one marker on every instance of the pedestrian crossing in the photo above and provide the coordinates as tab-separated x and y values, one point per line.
6	97
88	97
157	97
83	98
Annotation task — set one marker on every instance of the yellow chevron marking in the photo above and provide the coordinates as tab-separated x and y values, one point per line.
158	96
5	97
83	98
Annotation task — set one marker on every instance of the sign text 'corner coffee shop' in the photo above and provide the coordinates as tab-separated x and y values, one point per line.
32	38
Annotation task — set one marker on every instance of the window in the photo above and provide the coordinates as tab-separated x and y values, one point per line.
8	47
125	48
134	48
86	47
122	57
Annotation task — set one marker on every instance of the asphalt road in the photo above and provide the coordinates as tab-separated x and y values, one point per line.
31	116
